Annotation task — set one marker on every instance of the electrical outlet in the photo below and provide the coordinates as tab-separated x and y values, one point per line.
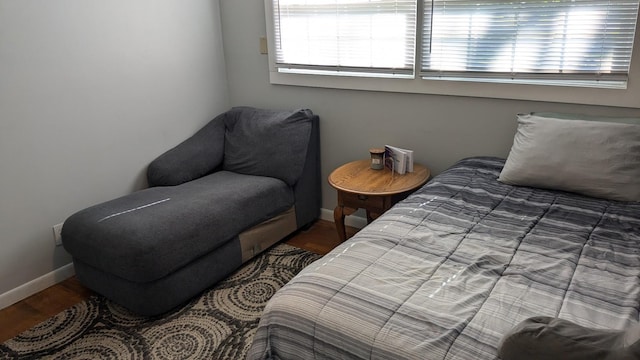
57	234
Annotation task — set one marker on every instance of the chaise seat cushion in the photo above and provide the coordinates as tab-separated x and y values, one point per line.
151	233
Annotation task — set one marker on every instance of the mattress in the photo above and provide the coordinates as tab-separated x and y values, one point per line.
445	273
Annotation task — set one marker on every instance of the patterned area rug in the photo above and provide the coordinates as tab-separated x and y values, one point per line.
219	324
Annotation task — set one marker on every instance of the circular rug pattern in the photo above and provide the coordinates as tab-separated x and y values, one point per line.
219	324
103	344
190	336
246	302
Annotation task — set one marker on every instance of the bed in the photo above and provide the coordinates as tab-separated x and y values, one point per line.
448	271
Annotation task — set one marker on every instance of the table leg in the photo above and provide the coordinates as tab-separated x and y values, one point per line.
338	218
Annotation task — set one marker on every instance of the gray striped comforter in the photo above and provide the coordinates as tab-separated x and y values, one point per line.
446	272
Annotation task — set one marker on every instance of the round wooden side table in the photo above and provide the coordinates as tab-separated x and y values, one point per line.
376	191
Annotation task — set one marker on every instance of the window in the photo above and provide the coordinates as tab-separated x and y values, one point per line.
570	42
346	36
578	40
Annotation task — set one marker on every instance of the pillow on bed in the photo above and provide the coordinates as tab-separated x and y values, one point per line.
584	117
552	338
599	157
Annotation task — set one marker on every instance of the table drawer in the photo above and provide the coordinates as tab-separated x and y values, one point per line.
363	201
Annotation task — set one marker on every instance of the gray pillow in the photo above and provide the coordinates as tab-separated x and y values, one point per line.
267	142
552	338
590	157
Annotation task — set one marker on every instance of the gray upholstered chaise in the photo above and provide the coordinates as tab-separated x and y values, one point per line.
243	182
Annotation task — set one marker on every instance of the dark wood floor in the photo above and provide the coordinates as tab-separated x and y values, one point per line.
320	238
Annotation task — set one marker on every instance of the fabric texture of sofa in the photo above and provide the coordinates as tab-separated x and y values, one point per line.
246	180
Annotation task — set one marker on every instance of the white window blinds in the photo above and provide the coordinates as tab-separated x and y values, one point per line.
350	36
561	39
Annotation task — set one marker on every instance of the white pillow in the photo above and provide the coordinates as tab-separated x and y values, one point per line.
595	158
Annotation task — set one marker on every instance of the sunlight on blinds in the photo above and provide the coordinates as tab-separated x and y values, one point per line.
346	35
578	39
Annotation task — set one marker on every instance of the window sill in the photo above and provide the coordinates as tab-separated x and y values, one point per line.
549	93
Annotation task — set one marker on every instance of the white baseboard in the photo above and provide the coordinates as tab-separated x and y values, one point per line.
36	285
354	221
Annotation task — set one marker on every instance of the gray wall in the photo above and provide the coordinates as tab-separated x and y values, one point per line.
441	129
90	92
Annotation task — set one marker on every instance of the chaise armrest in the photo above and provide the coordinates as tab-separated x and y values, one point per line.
195	157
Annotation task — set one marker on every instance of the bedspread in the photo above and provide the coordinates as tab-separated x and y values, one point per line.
449	270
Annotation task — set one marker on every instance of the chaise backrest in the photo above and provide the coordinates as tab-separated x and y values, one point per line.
267	142
245	140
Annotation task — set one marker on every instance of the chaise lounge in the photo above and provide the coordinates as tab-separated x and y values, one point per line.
246	180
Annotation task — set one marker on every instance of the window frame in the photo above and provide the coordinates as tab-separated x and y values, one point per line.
629	97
